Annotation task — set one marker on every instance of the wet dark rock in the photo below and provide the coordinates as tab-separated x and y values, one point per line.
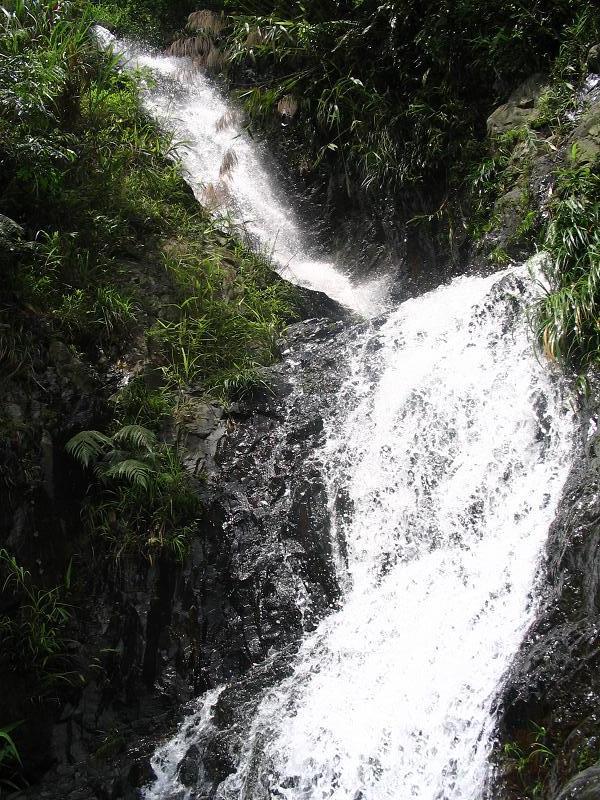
585	786
189	767
312	304
555	679
141	773
152	636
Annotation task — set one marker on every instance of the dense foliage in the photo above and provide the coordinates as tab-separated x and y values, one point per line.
92	181
108	268
394	93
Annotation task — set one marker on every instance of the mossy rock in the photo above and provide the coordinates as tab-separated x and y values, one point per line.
520	109
586	136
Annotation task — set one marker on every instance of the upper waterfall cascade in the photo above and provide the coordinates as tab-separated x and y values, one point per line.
452	443
226	170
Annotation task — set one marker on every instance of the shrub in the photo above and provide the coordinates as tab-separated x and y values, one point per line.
143	501
567	318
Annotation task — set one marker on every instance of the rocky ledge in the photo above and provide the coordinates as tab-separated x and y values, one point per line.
549	729
153	636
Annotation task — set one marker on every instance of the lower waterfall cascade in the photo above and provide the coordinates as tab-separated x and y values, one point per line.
453	449
451	443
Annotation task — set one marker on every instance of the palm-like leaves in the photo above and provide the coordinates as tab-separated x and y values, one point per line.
145	500
130	455
135	436
87	446
132	471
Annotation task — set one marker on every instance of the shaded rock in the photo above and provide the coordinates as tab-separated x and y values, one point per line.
70	367
585	786
317	304
9	229
141	773
520	108
593	59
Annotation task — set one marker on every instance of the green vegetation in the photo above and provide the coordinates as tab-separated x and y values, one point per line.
31	633
569	313
144	503
393	94
566	318
146	20
530	760
84	169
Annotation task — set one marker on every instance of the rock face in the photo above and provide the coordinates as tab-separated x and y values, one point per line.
586	136
520	108
259	574
554	686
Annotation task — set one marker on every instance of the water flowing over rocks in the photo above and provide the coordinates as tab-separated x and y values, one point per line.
365	568
354	708
554	681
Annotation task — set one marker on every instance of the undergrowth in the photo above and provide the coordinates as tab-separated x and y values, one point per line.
10	759
33	623
144	502
568	314
115	284
530	760
392	95
109	219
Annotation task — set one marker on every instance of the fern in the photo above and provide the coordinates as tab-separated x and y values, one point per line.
135	436
135	472
87	446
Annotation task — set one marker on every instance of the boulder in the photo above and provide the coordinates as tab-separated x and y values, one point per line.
520	108
585	786
586	136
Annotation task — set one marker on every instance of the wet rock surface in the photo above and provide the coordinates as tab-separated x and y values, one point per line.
259	573
552	692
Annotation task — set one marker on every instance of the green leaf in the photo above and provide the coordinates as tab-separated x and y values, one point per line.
87	446
133	471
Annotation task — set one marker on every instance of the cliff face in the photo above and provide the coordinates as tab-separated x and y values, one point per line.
146	637
552	690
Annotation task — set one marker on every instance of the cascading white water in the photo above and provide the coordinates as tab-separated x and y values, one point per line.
453	457
225	169
451	444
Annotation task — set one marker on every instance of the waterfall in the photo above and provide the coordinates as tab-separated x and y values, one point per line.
226	169
453	455
450	443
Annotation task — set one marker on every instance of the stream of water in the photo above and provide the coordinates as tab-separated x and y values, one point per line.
452	444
